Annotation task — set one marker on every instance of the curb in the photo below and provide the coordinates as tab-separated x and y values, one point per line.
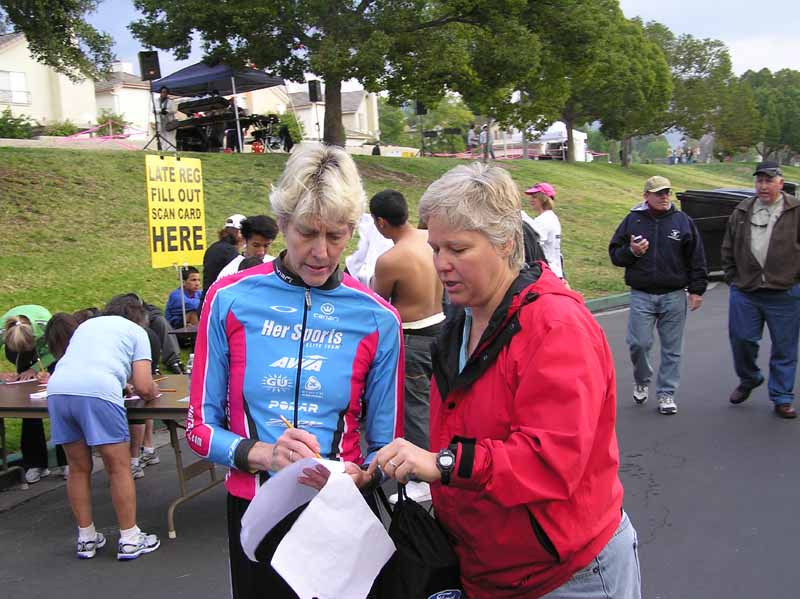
609	302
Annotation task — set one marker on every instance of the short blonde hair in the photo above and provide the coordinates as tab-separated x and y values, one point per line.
481	198
18	335
319	182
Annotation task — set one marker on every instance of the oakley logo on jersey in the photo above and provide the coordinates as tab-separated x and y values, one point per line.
273	329
283	309
310	408
312	363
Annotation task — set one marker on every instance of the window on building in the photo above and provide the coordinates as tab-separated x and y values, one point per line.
14	88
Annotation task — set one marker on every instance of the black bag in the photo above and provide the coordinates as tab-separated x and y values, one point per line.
424	565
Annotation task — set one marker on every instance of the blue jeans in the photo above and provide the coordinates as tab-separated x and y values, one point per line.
748	311
613	574
667	312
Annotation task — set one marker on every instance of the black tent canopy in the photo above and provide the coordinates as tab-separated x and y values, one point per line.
200	79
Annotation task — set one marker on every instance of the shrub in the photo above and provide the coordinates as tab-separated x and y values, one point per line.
15	127
118	124
61	128
295	127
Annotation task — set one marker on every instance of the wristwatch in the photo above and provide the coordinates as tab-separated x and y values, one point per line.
446	462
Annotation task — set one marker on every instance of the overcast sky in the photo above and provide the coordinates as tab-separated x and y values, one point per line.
756	39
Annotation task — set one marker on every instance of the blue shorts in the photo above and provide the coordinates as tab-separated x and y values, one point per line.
80	417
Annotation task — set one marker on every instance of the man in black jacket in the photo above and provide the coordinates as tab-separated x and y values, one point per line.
662	253
222	251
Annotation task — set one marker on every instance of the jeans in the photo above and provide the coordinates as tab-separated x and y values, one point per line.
667	312
748	311
613	574
417	389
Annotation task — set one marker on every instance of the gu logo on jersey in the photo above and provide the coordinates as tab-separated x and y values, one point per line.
312	363
326	312
675	235
276	382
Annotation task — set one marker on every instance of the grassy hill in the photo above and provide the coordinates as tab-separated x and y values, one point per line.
75	227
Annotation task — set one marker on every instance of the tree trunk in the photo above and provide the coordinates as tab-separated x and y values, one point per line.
333	130
569	120
626	145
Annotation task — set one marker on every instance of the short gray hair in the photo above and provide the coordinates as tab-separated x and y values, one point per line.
481	198
319	181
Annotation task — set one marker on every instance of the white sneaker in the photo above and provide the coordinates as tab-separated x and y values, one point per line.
34	475
640	393
666	404
142	543
87	549
66	472
137	471
416	490
149	459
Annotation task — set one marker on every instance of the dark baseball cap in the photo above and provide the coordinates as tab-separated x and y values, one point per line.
768	167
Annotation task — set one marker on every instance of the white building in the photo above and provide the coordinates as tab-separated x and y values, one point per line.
125	94
33	89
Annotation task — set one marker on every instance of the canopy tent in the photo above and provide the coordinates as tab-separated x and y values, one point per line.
200	79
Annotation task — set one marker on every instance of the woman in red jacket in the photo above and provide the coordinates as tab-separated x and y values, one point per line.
524	453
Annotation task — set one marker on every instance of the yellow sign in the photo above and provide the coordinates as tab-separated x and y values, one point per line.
175	213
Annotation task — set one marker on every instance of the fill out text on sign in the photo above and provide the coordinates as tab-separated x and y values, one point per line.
175	211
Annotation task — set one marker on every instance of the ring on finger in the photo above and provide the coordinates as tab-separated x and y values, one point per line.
393	464
291	455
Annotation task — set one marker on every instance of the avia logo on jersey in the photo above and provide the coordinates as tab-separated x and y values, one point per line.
313	363
305	407
276	382
330	338
313	384
326	311
675	235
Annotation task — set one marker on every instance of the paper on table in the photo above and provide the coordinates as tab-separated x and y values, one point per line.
131	397
18	382
39	395
337	546
276	499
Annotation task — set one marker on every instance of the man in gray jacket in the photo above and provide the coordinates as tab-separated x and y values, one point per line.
761	259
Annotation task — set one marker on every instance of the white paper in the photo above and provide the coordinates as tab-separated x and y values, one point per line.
39	395
336	548
18	382
276	499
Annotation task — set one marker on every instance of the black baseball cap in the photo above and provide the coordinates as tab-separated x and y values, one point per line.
768	167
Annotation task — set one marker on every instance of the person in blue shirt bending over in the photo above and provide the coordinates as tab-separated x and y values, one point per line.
191	297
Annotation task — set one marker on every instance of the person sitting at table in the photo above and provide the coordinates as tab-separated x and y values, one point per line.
25	347
191	300
258	232
87	410
57	334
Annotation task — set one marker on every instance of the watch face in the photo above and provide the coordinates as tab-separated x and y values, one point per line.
446	461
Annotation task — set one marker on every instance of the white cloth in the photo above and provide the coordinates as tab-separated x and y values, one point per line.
761	224
232	267
548	227
371	245
164	119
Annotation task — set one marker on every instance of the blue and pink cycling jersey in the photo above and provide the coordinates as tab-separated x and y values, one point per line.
269	346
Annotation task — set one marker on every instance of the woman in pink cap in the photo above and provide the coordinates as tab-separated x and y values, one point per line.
546	225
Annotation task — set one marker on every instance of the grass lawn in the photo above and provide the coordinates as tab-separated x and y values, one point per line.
75	221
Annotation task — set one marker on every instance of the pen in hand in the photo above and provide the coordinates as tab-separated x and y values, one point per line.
289	425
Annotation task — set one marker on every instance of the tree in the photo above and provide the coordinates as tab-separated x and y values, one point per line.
412	48
777	99
392	122
738	126
58	35
628	87
451	113
701	72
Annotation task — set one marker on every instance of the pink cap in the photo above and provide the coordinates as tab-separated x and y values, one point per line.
544	188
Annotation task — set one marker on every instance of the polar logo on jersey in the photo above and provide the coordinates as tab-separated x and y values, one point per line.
305	407
313	384
276	382
283	309
312	363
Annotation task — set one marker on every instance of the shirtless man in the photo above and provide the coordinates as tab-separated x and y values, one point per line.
405	276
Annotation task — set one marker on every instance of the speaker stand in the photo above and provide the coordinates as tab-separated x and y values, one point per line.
157	137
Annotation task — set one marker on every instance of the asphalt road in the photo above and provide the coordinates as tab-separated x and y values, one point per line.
712	491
